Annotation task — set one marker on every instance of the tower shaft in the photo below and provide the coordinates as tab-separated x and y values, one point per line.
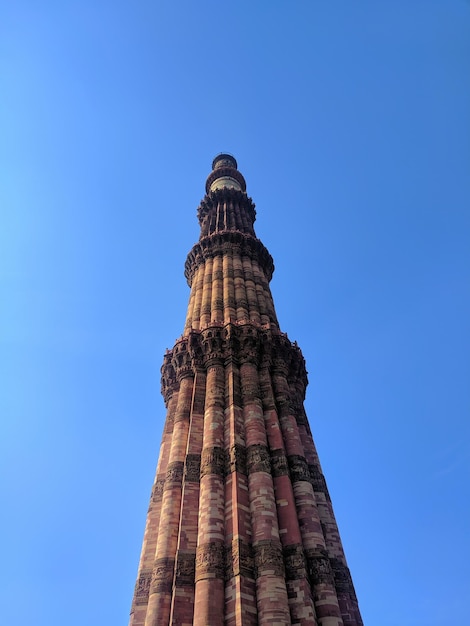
240	530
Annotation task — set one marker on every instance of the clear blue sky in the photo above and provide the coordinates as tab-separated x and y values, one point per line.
351	124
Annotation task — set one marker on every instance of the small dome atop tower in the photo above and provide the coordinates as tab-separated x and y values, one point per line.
225	174
224	160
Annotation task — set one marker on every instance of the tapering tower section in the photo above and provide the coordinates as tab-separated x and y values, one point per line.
240	529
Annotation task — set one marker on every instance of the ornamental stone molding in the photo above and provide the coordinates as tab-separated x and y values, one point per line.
268	558
239	560
237	459
210	561
142	587
162	575
294	561
182	361
279	463
219	343
319	567
342	577
213	461
298	468
318	481
174	475
157	489
192	468
222	172
185	569
258	459
169	383
237	243
214	198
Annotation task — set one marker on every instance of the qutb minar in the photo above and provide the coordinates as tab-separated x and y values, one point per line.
240	530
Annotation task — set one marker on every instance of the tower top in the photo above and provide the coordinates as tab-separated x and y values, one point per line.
224	159
225	174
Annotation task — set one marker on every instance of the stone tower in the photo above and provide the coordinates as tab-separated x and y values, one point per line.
240	529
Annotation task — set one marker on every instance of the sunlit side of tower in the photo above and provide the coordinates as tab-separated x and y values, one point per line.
240	530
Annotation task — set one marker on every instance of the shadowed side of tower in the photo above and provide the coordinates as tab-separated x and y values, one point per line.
240	530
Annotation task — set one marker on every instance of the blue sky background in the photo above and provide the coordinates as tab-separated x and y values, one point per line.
350	122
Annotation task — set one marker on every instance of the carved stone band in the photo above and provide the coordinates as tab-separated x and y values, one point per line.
162	576
301	419
142	587
217	344
319	567
268	558
210	561
294	561
342	576
279	463
298	468
318	481
168	373
237	459
239	560
157	489
216	244
181	361
185	569
213	461
258	459
174	475
192	468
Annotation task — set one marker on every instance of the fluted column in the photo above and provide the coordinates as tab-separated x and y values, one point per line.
269	301
324	592
297	584
228	288
271	592
210	554
345	592
207	293
194	322
147	558
182	608
159	605
240	288
190	315
240	588
217	296
252	300
260	293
